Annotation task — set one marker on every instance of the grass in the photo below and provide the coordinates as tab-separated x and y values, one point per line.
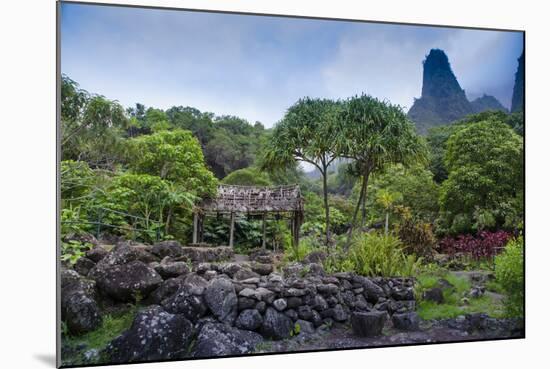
494	286
453	304
111	327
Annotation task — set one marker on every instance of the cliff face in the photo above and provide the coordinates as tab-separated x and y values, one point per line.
443	100
487	102
519	85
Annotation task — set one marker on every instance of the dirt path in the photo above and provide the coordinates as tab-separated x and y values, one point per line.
342	337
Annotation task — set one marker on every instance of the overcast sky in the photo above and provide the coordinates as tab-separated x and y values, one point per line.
256	67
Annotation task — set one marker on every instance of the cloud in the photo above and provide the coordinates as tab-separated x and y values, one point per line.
255	67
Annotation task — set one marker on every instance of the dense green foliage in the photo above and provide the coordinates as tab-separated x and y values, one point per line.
247	177
485	184
509	274
373	254
174	156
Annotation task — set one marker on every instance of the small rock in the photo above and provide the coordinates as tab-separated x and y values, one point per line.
83	266
276	325
249	319
319	303
262	269
294	302
246	303
434	294
291	313
261	307
340	315
244	274
305	326
280	304
406	321
248	292
96	254
263	294
216	339
475	292
305	312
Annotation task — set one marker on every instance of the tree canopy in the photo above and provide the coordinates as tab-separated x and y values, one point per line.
308	132
485	165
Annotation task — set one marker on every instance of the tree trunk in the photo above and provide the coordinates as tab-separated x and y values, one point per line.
327	211
356	211
360	201
387	222
195	227
363	210
231	229
263	231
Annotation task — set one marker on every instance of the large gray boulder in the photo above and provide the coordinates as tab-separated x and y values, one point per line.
167	248
79	309
372	291
276	325
221	298
128	282
368	324
217	339
167	289
121	254
195	284
154	335
172	269
184	302
208	254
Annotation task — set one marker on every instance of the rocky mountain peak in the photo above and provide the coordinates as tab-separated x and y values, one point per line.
442	100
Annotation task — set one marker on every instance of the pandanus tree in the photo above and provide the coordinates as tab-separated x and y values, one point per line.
376	133
309	133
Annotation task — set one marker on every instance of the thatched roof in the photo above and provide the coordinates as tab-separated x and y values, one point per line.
255	200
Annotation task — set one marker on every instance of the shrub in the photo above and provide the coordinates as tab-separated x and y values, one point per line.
306	246
372	254
73	250
247	177
417	237
509	274
482	246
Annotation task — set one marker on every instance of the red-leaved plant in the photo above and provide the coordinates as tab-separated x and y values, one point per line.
483	245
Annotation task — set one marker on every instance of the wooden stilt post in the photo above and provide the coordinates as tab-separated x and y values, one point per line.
231	229
202	218
297	225
292	236
263	231
195	226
